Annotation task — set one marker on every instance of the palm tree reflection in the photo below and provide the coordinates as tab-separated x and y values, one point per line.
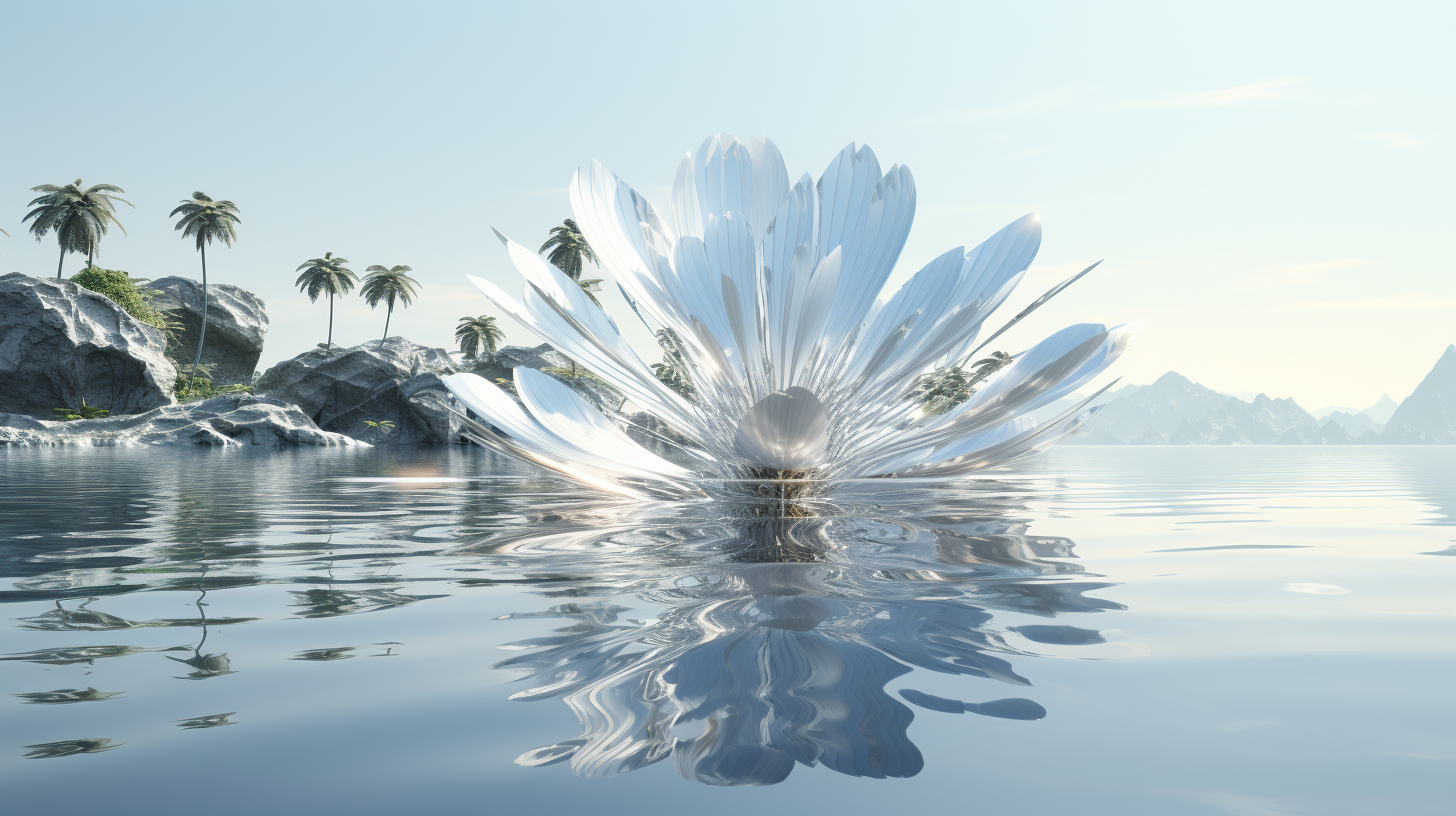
203	665
779	651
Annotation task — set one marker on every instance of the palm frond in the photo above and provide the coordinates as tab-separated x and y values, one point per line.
568	249
207	220
79	217
326	275
477	333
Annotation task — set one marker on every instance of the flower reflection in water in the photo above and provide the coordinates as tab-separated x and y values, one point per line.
779	636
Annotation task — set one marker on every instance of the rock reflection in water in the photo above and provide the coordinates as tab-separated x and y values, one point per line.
779	636
204	666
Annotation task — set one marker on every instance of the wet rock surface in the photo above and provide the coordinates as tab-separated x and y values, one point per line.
237	320
237	420
344	389
61	344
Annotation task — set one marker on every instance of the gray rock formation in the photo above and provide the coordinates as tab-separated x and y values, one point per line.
537	357
509	358
60	344
1428	415
236	323
343	389
235	420
1265	421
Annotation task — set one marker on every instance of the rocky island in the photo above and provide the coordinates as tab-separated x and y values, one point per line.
65	346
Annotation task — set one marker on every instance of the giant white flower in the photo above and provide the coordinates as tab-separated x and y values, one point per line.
799	361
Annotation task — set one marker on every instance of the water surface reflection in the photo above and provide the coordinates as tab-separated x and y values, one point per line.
884	634
778	639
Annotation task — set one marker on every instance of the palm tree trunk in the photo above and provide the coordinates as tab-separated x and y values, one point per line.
387	315
61	262
201	332
331	322
90	254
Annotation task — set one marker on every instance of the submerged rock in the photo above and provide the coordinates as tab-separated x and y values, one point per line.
234	420
61	344
398	382
236	323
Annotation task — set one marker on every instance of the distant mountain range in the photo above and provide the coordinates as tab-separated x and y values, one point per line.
1177	411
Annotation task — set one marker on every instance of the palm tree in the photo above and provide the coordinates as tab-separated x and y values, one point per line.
568	249
388	285
941	390
476	334
207	221
326	275
79	217
990	365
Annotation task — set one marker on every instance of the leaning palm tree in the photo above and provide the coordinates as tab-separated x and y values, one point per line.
326	275
79	217
477	334
206	220
568	249
388	284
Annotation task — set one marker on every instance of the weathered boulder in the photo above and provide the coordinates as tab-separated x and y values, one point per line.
397	382
509	358
234	420
61	344
236	323
537	357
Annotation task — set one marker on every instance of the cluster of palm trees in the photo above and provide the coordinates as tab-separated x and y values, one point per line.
328	275
79	216
480	336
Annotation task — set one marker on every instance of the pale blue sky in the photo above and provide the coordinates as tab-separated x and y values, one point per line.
1270	185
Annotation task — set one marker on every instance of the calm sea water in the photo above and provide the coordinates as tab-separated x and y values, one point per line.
1248	631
